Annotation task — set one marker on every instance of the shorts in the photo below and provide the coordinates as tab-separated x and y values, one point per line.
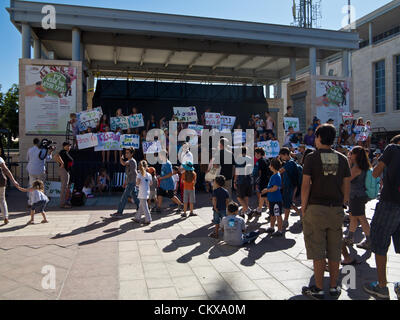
261	186
218	215
275	206
244	190
287	198
39	206
165	193
189	196
357	206
385	224
323	235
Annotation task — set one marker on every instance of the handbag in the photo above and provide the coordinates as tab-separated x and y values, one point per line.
212	173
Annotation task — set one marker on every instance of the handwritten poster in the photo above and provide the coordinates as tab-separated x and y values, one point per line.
197	128
271	148
89	119
119	122
151	147
50	97
213	119
108	141
227	123
136	120
130	141
52	188
185	114
292	122
239	137
347	116
87	140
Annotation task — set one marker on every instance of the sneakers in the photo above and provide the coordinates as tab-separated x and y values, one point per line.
365	245
335	292
313	292
277	234
397	289
135	220
376	291
117	215
285	224
183	215
270	230
192	214
180	209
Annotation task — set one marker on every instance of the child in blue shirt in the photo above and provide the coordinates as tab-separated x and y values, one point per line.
220	200
274	196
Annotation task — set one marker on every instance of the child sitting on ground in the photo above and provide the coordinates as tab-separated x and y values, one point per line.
39	200
189	181
220	200
234	227
102	180
153	188
274	195
88	187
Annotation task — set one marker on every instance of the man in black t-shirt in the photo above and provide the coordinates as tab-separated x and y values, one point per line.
325	188
65	163
385	224
264	174
226	162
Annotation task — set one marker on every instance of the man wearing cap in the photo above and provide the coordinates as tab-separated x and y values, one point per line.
65	163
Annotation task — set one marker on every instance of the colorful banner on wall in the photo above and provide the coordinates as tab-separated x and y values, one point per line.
130	141
50	97
332	100
88	140
271	148
89	119
185	114
108	141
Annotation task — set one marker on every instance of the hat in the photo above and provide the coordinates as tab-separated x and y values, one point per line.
188	166
151	170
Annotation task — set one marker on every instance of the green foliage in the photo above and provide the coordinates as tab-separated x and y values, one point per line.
9	110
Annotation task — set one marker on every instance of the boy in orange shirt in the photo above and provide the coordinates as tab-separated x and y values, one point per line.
189	181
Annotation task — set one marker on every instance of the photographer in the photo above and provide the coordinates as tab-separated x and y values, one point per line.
37	163
65	162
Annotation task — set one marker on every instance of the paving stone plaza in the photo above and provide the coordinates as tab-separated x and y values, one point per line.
171	259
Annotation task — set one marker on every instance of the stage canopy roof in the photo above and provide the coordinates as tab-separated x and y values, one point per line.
145	45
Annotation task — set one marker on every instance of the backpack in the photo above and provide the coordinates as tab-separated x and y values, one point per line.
78	199
371	185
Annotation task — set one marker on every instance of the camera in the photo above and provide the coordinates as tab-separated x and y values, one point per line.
45	146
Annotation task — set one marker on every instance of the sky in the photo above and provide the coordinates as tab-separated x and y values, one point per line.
266	11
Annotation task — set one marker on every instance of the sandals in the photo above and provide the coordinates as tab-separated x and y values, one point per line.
44	221
213	235
30	222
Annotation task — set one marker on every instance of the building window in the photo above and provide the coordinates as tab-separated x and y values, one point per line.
380	89
397	83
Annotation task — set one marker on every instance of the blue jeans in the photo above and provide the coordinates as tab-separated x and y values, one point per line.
249	237
130	191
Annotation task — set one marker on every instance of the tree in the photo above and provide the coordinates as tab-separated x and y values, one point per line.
9	110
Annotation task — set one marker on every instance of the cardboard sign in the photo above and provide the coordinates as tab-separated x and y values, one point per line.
347	116
130	141
227	123
87	140
185	114
136	120
52	189
271	148
292	122
213	119
108	141
151	147
119	122
362	133
197	128
89	119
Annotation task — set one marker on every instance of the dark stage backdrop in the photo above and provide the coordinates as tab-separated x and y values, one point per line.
159	98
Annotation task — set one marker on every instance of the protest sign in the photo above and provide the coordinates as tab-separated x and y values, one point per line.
271	148
89	119
347	116
227	123
119	122
185	114
136	120
52	189
108	141
213	119
197	128
292	122
87	140
239	137
129	141
151	147
362	133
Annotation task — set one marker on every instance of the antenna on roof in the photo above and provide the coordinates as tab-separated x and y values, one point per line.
307	13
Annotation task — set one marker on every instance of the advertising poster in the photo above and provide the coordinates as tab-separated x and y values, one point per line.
185	114
332	100
50	97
